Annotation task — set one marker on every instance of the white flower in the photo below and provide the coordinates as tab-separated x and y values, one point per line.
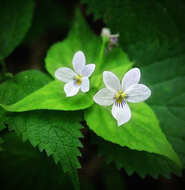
119	94
111	38
76	80
107	33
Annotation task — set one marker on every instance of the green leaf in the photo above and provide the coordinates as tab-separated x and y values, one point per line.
15	20
24	164
25	89
57	133
21	85
51	97
141	162
141	133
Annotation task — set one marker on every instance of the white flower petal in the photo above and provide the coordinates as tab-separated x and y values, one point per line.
137	93
111	81
121	113
85	84
65	74
114	35
104	97
71	88
88	70
78	61
105	32
130	78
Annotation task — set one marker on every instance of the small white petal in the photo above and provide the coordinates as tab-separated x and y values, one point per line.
137	93
85	84
111	81
71	88
78	61
64	74
105	32
121	113
88	70
114	35
104	97
130	78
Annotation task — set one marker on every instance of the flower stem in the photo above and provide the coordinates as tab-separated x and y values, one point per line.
102	52
100	62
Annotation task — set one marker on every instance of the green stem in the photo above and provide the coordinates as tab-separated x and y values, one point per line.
100	62
102	52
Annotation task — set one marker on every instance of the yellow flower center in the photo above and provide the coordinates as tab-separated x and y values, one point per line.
120	96
78	79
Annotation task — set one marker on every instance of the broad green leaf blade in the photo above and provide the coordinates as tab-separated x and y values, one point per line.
15	20
24	164
57	133
51	97
141	133
141	162
24	93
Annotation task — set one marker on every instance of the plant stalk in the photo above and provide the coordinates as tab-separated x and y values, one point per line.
100	62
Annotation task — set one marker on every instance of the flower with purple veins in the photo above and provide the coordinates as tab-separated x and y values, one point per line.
119	94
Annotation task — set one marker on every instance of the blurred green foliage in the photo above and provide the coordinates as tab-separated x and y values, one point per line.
15	20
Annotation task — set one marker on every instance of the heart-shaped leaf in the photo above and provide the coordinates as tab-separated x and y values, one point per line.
142	132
